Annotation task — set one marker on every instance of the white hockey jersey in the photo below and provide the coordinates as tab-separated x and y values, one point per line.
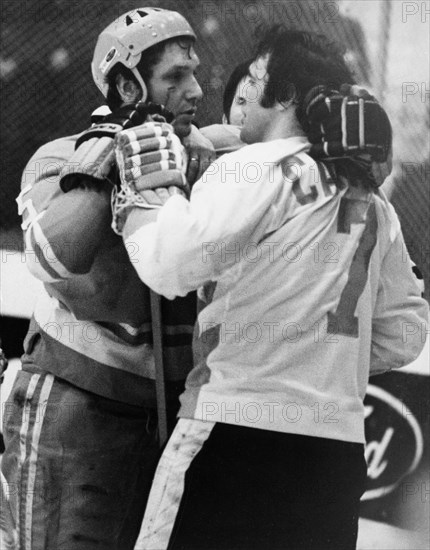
313	289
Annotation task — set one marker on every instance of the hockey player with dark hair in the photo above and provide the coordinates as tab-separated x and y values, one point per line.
308	287
80	427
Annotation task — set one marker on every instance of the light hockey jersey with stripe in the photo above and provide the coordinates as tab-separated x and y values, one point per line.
313	290
92	325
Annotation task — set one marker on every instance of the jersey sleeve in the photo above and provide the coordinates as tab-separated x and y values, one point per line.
240	199
400	316
61	230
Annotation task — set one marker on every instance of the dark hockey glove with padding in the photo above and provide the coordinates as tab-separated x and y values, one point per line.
346	123
94	156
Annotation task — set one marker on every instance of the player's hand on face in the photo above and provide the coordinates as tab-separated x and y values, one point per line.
201	153
150	157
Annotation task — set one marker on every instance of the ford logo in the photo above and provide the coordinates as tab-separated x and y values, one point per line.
394	442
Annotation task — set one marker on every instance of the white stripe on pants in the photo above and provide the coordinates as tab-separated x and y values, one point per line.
33	433
25	427
32	464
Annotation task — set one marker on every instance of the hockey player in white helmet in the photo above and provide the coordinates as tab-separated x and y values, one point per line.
81	421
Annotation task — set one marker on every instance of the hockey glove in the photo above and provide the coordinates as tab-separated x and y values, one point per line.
94	155
348	123
152	165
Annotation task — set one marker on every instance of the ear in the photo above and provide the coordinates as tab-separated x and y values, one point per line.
291	92
282	105
224	119
285	105
128	90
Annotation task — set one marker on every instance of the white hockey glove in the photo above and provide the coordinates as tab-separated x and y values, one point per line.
152	164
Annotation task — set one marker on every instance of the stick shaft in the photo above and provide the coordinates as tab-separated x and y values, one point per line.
160	386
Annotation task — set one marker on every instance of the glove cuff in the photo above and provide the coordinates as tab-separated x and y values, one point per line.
94	155
91	162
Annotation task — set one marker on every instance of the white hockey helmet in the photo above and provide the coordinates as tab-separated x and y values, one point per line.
124	40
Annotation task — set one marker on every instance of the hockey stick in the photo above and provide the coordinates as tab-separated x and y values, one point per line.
160	388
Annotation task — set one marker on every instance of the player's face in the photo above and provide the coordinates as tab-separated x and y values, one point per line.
236	115
257	120
173	84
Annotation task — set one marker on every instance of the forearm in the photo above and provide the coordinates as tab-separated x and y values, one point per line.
161	263
400	316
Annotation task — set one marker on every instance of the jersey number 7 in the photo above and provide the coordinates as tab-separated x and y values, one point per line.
343	320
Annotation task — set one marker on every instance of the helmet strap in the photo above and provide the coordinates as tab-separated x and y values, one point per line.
142	84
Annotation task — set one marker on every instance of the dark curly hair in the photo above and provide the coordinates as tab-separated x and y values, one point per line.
299	60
